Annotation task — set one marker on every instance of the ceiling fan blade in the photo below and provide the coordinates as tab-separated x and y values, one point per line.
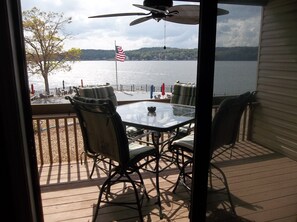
222	11
119	14
187	14
184	14
140	20
150	9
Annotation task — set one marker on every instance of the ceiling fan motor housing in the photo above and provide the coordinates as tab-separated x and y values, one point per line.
160	4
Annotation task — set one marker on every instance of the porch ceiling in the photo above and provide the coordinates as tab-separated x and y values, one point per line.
237	2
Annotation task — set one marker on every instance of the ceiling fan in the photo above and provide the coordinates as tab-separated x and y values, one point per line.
164	10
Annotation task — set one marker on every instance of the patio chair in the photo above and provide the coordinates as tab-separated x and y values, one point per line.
184	94
103	92
104	134
225	129
98	92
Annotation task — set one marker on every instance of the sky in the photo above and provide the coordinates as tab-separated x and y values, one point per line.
238	28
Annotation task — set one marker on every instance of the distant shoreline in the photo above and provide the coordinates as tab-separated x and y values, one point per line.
172	54
194	60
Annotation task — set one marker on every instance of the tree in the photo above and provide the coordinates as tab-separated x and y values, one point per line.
44	42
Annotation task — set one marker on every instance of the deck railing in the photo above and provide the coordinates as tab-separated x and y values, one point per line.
58	138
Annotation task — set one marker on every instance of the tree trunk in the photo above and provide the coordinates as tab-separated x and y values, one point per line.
46	84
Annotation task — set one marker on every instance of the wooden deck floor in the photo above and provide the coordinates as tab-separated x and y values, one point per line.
263	186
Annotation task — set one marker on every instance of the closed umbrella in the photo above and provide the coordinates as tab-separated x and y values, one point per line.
151	92
163	89
32	89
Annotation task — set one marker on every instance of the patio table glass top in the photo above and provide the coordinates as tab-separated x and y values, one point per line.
166	117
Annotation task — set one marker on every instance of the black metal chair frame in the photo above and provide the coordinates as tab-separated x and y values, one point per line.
98	116
225	129
97	158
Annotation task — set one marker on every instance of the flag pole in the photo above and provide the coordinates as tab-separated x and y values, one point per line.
116	64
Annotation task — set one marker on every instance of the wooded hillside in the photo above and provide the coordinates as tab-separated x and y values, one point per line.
158	53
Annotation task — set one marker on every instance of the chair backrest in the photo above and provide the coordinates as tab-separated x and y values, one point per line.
99	92
184	93
226	122
102	128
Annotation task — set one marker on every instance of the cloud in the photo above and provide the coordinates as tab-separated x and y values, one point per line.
238	33
239	28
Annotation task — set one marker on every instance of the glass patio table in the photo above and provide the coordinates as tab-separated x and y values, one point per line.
167	117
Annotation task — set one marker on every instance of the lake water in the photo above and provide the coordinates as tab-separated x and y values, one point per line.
230	77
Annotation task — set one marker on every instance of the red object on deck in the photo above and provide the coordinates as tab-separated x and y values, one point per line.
163	89
32	89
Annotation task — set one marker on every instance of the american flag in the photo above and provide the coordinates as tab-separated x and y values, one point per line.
120	54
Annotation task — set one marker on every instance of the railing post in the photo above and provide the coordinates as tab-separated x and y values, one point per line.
250	120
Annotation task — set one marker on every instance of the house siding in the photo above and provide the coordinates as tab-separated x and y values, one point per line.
275	118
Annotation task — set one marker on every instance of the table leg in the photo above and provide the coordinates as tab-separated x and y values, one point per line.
163	147
156	142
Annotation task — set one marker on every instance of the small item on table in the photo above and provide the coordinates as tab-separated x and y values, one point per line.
151	109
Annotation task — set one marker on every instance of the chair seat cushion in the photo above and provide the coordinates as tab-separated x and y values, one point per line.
186	142
138	152
133	131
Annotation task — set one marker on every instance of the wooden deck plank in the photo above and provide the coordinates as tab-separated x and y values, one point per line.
69	205
274	214
263	186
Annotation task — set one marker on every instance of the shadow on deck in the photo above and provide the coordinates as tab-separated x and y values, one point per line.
263	186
